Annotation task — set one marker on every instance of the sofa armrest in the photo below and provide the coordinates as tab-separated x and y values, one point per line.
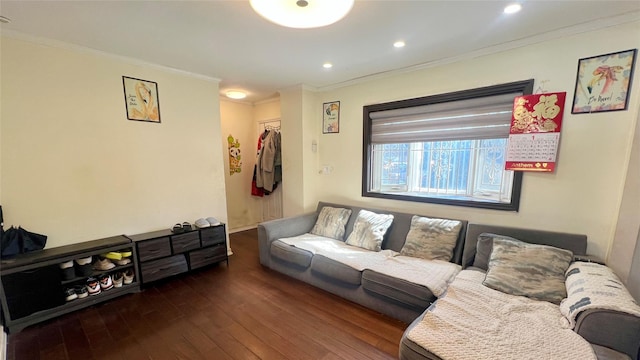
613	329
282	228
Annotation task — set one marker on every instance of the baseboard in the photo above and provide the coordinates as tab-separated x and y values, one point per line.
3	344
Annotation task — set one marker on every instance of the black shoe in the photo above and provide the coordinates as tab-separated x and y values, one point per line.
177	228
186	226
70	294
81	291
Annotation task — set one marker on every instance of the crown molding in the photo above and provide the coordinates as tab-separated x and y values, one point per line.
83	49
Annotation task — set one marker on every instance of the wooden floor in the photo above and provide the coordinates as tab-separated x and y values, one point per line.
243	311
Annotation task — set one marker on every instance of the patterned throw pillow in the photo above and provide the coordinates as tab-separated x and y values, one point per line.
369	230
331	222
534	271
431	239
484	247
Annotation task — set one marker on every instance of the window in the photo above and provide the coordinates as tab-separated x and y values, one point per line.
445	149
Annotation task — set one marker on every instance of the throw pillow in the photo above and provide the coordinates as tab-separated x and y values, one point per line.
484	247
369	229
331	222
431	239
534	271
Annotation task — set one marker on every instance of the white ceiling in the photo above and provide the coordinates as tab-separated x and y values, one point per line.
228	41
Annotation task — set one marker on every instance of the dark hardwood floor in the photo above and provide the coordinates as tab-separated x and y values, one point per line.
243	311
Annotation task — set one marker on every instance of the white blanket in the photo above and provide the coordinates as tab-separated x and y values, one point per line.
433	274
474	322
594	286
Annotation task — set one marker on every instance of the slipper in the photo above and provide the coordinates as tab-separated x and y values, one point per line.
202	223
213	221
186	226
177	228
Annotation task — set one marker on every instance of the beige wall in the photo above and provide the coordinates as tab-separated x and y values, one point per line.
582	196
243	209
76	169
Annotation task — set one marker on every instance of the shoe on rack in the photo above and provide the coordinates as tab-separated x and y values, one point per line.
122	262
70	294
81	291
67	270
177	228
202	223
126	253
83	266
105	282
213	221
186	226
103	264
93	286
118	278
128	276
113	255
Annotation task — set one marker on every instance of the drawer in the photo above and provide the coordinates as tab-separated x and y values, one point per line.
213	235
153	249
185	242
162	268
206	256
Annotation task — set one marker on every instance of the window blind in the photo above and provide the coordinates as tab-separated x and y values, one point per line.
486	117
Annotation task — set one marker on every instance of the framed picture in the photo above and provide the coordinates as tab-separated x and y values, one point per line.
603	82
141	99
331	117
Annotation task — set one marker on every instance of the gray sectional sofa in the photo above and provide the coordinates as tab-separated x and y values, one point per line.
389	295
612	334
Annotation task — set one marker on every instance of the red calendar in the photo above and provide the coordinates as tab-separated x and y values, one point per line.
535	132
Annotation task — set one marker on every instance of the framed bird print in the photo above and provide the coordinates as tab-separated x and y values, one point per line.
331	117
603	82
141	99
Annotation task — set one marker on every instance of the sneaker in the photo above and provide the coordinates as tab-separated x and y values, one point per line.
202	223
213	221
126	253
105	282
93	286
122	262
67	270
118	278
129	276
103	264
83	266
113	255
70	294
81	291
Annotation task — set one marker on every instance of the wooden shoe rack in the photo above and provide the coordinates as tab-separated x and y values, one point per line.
32	287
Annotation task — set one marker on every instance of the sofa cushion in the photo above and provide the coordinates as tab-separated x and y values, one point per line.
331	222
399	290
291	254
484	247
431	239
369	229
534	271
335	271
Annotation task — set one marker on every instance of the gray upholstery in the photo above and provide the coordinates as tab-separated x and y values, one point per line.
291	254
336	271
398	290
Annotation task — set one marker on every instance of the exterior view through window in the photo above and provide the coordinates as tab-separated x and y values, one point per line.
446	149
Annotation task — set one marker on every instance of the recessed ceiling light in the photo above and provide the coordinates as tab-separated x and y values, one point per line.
398	44
512	9
234	94
327	65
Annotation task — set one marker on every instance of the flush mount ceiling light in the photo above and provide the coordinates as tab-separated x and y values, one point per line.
237	95
302	14
398	44
512	9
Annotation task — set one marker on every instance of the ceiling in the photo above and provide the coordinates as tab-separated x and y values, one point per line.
228	41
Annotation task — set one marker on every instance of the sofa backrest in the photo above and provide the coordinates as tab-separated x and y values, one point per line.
575	242
397	234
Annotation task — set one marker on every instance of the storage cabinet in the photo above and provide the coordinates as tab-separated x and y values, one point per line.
33	288
162	254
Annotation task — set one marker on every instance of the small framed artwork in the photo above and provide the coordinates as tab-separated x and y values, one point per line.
331	117
603	82
141	99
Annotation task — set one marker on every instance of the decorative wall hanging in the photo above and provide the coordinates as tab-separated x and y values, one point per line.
235	159
603	82
141	99
331	117
535	132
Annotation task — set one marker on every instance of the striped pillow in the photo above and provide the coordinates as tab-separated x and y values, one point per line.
369	230
331	222
523	269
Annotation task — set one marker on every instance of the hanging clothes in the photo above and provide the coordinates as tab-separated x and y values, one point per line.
269	162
